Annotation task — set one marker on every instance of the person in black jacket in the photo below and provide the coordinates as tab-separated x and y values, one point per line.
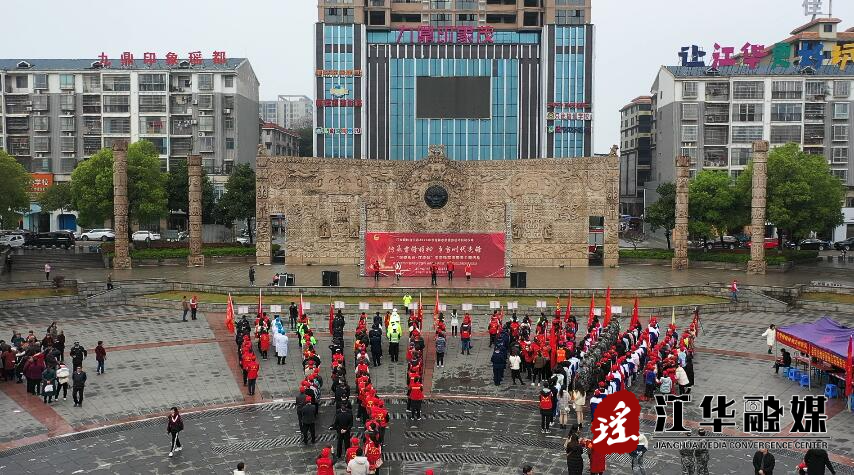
817	460
574	460
308	417
785	360
77	354
343	425
763	462
376	338
292	315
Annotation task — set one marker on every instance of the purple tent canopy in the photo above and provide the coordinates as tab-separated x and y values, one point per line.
825	333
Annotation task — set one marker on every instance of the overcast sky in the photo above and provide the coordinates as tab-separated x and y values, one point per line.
633	37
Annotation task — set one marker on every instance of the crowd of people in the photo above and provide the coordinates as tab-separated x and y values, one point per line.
41	363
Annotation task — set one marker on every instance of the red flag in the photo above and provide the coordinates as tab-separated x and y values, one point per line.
229	314
420	310
260	303
849	371
331	315
635	314
557	307
607	307
436	309
301	311
592	305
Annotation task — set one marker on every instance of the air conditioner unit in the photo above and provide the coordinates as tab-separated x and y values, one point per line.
194	122
201	134
195	102
226	111
29	108
28	103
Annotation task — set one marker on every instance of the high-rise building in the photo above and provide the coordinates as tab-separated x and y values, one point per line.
797	93
635	153
288	111
491	80
56	112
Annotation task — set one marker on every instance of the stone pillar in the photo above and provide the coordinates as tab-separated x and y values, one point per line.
263	249
611	249
194	175
680	232
757	264
121	258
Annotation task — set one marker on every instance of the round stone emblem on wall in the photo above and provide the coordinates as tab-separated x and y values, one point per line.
436	196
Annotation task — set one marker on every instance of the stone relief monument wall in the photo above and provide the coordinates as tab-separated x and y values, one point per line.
543	205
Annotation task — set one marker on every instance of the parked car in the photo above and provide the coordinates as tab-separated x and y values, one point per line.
243	240
98	235
145	236
62	239
844	245
813	244
729	242
770	243
12	240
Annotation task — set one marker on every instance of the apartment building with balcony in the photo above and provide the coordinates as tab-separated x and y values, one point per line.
279	140
714	115
635	153
55	113
489	79
288	111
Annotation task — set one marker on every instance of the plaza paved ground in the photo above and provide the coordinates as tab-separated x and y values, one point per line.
471	426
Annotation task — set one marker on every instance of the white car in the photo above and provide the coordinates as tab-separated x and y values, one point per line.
242	240
98	235
12	240
145	236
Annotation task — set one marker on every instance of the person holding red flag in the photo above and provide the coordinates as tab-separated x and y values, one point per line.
229	314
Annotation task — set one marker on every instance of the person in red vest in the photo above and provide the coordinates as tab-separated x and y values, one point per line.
324	462
374	453
376	268
380	414
264	344
194	306
416	396
449	266
546	409
252	373
468	271
351	451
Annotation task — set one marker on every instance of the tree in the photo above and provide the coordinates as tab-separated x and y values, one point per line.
802	195
713	204
14	185
238	201
306	141
634	237
662	213
57	197
92	186
178	188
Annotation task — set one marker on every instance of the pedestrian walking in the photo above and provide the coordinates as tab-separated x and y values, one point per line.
185	306
499	363
110	281
546	409
194	305
308	417
252	374
578	399
770	338
733	291
564	405
47	272
63	375
516	367
100	357
441	345
252	276
264	344
763	463
78	384
597	460
638	453
77	354
343	425
393	333
174	426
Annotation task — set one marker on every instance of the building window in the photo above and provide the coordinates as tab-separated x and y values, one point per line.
205	101
747	112
206	123
41	102
814	134
786	112
440	4
119	104
715	157
41	144
152	82
841	88
41	123
228	81
205	82
739	157
787	90
68	144
152	125
21	82
691	153
149	104
206	144
715	135
815	90
748	90
228	102
828	27
689	133
228	123
91	126
469	19
840	110
441	19
91	83
690	111
814	111
158	142
339	15
229	143
781	134
466	4
66	81
841	174
735	173
66	102
840	133
840	154
116	125
116	83
717	91
746	133
569	17
66	124
716	113
91	145
40	81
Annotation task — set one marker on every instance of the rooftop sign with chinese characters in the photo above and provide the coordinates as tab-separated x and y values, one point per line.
810	54
149	59
333	73
447	35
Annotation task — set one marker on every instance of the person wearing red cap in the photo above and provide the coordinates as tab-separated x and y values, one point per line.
252	373
308	418
324	462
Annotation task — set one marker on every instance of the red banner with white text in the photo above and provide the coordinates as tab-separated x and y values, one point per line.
416	252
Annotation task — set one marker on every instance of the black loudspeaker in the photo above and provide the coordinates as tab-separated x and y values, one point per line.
518	280
330	278
289	280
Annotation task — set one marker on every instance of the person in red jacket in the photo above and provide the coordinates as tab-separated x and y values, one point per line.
100	357
449	267
416	396
374	453
376	268
324	462
380	414
252	373
264	344
546	409
597	459
351	451
468	271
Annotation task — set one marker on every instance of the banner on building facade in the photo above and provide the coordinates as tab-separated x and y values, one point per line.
417	252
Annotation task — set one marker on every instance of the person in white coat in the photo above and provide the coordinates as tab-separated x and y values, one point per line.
770	338
682	380
280	341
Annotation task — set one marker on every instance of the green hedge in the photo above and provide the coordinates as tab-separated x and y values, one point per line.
178	253
771	256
